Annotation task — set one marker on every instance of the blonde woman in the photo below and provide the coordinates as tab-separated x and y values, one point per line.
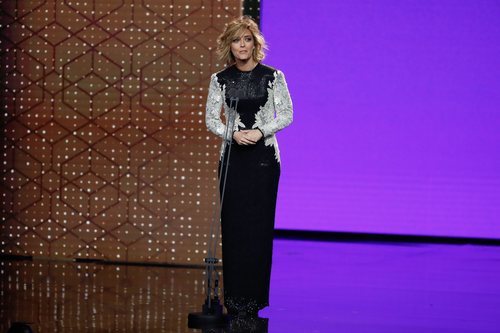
264	107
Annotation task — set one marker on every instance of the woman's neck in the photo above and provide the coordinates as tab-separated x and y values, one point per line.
246	65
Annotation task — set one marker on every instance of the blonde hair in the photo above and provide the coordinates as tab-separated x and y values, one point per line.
233	30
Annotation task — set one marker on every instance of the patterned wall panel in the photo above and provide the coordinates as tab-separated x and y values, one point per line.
105	154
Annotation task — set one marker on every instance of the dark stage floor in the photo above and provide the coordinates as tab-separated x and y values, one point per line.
316	287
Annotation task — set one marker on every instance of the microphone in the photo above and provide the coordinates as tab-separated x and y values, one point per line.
212	311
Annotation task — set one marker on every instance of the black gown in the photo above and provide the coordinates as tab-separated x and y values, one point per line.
249	203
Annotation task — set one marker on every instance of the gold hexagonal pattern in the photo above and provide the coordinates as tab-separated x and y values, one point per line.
105	154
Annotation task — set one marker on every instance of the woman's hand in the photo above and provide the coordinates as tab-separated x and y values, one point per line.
247	137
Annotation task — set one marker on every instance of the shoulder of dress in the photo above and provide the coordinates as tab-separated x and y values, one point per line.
220	77
223	76
268	69
224	72
271	73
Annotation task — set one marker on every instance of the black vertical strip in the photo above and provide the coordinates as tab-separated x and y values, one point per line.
252	9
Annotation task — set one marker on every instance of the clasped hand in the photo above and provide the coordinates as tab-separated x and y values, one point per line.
247	137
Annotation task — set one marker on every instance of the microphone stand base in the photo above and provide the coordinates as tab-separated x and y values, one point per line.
210	317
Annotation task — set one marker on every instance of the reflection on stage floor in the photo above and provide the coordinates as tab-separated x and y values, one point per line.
316	287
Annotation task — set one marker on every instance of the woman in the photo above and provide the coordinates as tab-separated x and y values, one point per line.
264	107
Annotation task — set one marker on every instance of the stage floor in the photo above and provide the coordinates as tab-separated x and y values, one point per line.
316	287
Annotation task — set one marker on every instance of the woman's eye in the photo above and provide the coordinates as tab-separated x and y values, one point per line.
248	39
236	40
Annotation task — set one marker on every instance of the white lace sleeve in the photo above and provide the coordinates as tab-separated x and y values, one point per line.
215	101
282	105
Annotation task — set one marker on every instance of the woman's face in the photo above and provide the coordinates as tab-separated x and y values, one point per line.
242	46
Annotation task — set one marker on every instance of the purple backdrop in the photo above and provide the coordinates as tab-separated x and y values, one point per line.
397	115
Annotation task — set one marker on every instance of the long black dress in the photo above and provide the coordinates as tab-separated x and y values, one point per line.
249	204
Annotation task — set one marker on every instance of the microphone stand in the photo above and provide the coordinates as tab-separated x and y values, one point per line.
212	315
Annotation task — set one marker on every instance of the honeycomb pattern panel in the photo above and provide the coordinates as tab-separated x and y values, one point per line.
105	154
